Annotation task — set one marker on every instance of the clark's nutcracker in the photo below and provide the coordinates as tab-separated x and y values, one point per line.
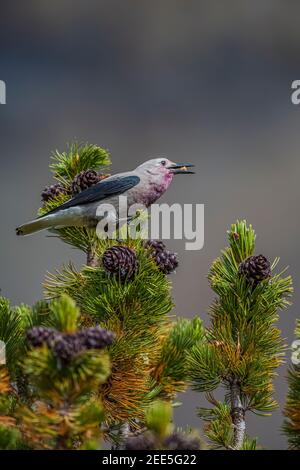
144	185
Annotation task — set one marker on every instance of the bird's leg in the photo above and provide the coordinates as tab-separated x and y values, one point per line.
121	222
92	258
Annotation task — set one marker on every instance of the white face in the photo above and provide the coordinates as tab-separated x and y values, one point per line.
156	166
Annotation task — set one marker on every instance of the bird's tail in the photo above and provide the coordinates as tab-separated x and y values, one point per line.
34	226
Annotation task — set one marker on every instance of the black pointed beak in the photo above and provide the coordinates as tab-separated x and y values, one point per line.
181	168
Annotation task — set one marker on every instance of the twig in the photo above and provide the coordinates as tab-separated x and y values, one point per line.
237	415
92	258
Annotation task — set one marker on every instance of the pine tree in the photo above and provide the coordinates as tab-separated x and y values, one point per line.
292	408
243	346
56	367
149	354
62	410
123	288
102	358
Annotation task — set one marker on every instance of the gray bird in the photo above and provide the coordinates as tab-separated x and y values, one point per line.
144	185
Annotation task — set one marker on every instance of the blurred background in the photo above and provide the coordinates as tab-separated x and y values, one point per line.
203	81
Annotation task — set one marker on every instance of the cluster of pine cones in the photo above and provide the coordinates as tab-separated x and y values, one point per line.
122	261
84	180
255	269
66	345
175	441
53	191
166	260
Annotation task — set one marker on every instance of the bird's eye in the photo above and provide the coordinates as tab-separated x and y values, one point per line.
163	162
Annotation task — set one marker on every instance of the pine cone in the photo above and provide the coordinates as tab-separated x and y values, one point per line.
255	269
39	335
67	346
120	261
145	441
51	192
180	441
155	245
86	179
96	338
165	260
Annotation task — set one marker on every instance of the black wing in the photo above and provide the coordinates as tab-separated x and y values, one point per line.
99	191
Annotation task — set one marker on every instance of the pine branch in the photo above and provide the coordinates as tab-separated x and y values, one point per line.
13	322
242	347
172	363
78	157
123	289
237	415
66	167
149	356
291	425
10	437
92	258
64	367
159	432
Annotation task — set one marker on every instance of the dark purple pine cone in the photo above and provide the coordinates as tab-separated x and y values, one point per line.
39	335
165	260
154	245
255	269
145	441
120	261
67	346
51	192
180	441
86	179
95	338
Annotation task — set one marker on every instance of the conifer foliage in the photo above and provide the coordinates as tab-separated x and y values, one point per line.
90	360
9	434
159	432
123	290
74	170
61	410
292	408
243	346
102	359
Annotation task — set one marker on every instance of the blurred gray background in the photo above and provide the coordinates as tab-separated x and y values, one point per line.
203	81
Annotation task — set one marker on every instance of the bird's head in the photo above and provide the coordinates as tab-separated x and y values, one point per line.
164	169
158	173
